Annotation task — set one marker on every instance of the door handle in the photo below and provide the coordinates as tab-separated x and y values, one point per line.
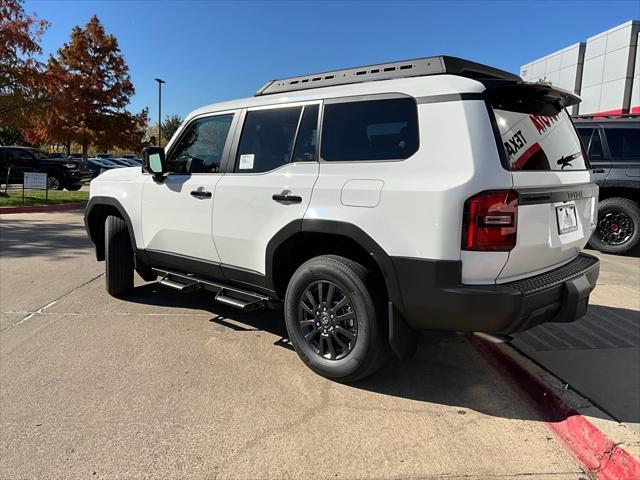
200	194
286	198
598	170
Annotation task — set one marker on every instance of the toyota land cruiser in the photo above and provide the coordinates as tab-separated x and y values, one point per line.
613	147
371	203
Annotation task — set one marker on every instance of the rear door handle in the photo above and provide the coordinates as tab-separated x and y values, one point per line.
286	198
200	194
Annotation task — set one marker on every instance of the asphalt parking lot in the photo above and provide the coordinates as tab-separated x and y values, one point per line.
165	385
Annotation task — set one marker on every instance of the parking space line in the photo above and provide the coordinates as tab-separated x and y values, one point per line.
50	304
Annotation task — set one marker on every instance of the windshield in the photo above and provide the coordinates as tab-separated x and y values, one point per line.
540	142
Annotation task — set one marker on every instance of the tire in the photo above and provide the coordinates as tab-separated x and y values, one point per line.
73	188
355	333
618	228
54	183
118	257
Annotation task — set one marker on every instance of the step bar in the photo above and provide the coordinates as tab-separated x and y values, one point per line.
225	294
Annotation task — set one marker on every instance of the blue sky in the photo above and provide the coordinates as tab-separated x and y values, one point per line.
209	51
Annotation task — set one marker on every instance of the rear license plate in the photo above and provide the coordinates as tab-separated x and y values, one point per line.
567	221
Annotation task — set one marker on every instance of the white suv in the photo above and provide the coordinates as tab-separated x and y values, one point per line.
374	202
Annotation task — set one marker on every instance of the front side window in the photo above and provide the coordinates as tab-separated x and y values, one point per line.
591	142
624	143
200	147
267	139
370	130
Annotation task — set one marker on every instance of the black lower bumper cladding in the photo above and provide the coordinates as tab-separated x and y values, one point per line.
435	299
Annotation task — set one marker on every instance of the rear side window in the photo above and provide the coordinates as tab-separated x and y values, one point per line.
370	130
307	138
624	143
267	139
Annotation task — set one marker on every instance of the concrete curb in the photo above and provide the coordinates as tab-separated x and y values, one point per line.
60	207
596	452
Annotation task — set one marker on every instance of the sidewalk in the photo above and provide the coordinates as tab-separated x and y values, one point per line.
599	355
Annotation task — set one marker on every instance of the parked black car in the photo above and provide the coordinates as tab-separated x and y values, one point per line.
62	172
98	165
613	146
133	157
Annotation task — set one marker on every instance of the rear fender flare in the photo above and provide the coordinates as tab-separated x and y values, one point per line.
345	229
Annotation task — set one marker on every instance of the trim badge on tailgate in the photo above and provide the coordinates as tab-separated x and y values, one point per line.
537	196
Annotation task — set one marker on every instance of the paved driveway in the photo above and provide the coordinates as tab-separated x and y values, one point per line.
165	385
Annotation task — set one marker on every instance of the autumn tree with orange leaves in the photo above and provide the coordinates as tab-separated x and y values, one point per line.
88	87
20	73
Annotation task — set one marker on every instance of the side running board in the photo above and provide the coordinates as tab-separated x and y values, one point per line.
232	296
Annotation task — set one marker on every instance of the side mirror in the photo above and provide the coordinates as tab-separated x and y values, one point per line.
153	162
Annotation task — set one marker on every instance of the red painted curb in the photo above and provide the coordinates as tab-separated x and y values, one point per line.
593	449
44	208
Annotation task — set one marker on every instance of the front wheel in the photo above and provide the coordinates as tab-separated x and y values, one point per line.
332	319
118	257
618	227
73	188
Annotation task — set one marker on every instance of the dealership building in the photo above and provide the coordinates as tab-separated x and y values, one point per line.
604	71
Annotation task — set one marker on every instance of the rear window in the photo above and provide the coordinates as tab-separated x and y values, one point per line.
370	130
540	142
624	143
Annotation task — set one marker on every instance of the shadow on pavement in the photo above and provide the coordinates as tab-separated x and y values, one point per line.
598	356
446	369
27	238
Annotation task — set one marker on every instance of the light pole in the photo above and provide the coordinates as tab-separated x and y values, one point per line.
160	82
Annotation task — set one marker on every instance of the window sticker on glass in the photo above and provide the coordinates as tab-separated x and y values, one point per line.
246	161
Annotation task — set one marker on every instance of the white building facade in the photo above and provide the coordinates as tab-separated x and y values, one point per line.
604	71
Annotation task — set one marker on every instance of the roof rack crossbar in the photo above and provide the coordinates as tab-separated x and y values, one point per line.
386	71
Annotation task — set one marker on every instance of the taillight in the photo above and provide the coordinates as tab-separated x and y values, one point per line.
490	220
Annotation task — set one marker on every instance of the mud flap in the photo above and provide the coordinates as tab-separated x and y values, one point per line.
402	338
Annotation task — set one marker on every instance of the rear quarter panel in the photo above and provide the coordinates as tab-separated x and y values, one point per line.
420	207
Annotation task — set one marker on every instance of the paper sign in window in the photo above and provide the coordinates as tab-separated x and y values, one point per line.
246	161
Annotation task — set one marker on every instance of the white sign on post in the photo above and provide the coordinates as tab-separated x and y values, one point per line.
35	181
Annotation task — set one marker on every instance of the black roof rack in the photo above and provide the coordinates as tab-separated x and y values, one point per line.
594	116
384	71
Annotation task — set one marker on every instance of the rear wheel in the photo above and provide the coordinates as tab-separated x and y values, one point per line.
53	183
118	257
332	319
618	227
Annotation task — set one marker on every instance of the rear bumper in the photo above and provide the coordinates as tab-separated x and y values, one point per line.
434	298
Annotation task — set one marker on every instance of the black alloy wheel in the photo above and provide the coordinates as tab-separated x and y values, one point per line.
53	183
335	317
618	227
328	320
615	228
